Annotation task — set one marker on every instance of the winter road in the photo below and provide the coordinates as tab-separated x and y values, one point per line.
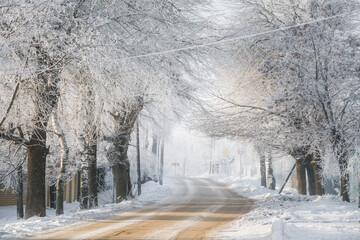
195	211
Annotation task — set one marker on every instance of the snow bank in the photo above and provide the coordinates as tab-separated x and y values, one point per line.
290	216
13	228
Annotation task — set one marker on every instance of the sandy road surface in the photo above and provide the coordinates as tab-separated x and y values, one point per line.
199	207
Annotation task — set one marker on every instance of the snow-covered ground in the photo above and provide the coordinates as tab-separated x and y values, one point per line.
13	228
287	216
290	216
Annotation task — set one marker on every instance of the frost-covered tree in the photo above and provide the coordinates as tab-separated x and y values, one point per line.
308	79
59	54
37	43
314	76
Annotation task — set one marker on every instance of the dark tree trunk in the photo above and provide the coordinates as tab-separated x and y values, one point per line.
359	188
317	175
341	153
311	179
45	100
301	177
124	125
263	170
344	184
90	143
19	203
138	158
35	205
119	172
344	179
84	191
120	167
270	174
310	175
128	179
93	188
63	163
60	195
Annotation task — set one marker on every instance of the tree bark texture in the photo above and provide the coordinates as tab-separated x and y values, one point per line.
316	165
263	170
19	202
270	173
121	167
124	125
310	175
359	188
90	143
84	184
344	185
35	198
138	158
45	100
162	163
340	151
301	177
93	188
63	163
344	175
119	172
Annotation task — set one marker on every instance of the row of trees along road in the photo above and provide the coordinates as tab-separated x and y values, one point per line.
294	90
69	81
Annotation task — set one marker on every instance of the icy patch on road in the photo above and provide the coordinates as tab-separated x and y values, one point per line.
290	216
13	228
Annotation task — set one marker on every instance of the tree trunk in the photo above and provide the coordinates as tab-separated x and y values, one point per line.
84	184
119	173
162	163
90	143
301	177
263	170
270	174
128	179
344	184
311	179
60	194
344	179
319	188
359	188
138	158
35	205
63	163
93	189
19	203
310	175
124	125
45	100
120	167
154	145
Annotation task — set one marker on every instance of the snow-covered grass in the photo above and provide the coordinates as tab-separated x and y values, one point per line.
290	216
13	228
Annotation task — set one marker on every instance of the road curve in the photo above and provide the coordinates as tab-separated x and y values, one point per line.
196	211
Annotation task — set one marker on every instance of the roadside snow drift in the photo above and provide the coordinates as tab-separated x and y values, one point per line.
290	216
13	228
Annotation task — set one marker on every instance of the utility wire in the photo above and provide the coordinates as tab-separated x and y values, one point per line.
170	51
230	39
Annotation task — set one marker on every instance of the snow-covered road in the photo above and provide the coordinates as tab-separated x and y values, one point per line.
199	207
